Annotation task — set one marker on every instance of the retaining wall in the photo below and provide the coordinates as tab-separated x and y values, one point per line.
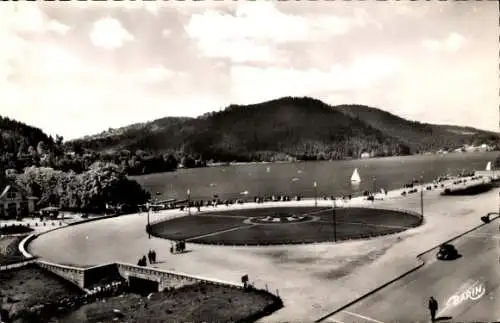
75	275
18	264
167	279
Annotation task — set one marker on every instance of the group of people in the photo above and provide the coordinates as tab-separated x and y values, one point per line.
151	257
180	246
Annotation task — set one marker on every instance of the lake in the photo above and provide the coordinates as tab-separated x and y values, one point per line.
332	177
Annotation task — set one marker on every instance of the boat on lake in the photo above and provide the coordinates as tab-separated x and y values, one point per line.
355	178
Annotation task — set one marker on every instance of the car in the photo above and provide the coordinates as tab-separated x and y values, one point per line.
447	252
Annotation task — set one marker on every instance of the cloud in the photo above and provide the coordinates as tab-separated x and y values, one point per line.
239	51
452	43
166	32
256	84
108	33
155	75
258	26
29	19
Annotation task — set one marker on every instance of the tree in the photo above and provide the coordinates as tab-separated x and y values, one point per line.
496	163
90	191
40	148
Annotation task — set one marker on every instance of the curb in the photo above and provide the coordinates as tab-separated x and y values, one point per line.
364	237
420	264
22	245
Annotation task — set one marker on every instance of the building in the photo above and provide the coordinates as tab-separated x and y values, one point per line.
14	200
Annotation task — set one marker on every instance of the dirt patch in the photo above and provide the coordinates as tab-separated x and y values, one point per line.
25	287
195	303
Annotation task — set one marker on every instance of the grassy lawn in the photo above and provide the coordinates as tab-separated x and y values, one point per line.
351	223
194	226
9	251
24	287
14	229
195	303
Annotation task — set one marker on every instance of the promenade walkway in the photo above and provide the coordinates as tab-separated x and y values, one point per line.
313	279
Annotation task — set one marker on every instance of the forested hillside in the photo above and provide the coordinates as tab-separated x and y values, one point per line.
23	146
284	129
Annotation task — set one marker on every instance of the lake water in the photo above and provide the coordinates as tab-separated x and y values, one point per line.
333	178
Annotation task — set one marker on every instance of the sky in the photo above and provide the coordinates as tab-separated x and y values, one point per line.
78	68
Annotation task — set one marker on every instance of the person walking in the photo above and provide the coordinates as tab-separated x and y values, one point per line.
433	307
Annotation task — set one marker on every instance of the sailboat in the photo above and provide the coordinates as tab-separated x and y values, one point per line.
488	166
355	179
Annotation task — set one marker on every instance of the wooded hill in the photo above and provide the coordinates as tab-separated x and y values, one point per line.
302	128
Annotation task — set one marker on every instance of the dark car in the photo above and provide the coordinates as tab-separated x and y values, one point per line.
447	252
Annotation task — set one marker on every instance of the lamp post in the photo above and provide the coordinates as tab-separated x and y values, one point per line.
315	194
421	196
334	219
148	206
189	201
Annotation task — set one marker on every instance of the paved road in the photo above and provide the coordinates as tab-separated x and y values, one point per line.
406	300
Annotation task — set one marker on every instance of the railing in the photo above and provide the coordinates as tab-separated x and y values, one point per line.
18	264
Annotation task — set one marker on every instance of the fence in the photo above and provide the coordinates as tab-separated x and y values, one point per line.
18	264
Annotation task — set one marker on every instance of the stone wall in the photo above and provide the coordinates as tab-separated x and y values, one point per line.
166	279
94	275
86	277
73	274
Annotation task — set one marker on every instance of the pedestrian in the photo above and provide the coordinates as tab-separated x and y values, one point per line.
433	307
150	258
154	256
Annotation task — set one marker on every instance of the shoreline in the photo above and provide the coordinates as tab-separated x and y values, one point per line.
227	164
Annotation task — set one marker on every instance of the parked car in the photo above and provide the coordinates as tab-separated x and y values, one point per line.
447	252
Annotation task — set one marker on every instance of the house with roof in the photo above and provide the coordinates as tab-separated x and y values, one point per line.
14	200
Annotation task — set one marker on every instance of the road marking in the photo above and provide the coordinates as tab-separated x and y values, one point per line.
333	320
219	232
216	215
368	224
484	235
363	317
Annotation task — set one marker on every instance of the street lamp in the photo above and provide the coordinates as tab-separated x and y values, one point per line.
334	219
148	206
315	194
189	201
421	196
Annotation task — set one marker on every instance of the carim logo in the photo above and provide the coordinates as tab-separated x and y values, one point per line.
474	292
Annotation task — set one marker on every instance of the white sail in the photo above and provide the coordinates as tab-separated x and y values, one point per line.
488	166
355	176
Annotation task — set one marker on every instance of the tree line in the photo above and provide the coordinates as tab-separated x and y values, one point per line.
103	186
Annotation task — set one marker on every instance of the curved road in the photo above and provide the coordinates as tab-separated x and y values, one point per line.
406	299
